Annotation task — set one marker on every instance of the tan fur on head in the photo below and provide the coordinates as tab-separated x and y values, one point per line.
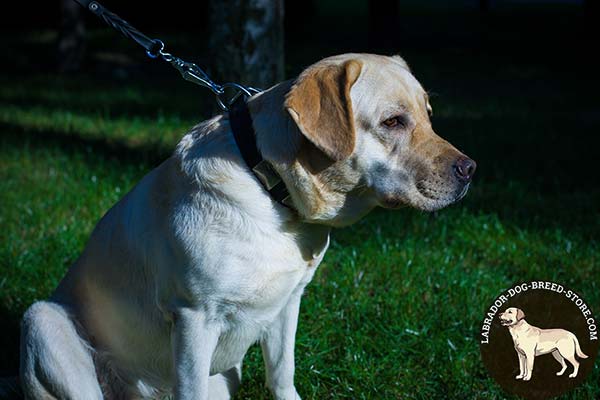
320	104
325	133
520	314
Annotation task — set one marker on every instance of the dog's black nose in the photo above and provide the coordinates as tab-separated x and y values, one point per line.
464	168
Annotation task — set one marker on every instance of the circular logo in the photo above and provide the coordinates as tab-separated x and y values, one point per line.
539	339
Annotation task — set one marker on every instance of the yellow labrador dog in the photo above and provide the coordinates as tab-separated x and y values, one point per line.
531	341
198	262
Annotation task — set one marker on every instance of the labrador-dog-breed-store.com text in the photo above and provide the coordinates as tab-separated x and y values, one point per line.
198	261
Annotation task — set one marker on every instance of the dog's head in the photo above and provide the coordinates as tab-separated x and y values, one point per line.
368	141
511	316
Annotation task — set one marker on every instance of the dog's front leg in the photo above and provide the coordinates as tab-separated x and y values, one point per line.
278	351
521	365
194	340
529	361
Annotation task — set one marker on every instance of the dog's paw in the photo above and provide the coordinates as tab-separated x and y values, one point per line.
559	373
573	375
526	378
519	377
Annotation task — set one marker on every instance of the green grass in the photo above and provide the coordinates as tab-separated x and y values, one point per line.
395	309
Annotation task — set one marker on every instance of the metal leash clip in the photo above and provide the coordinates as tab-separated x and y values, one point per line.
193	73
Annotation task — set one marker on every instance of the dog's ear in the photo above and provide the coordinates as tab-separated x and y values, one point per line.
520	314
320	104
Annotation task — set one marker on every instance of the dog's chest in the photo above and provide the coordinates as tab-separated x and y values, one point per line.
255	282
250	268
260	272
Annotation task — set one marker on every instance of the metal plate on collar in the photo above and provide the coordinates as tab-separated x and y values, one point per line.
267	175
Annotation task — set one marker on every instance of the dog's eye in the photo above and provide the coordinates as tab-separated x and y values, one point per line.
510	311
397	121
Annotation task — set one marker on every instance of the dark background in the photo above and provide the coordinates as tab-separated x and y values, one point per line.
458	49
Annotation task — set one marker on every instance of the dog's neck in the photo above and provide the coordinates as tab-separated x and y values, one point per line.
519	327
301	165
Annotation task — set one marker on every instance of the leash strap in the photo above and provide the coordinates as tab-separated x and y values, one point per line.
245	138
153	46
226	93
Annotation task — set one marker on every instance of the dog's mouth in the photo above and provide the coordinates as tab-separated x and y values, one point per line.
431	194
505	322
463	192
392	203
438	195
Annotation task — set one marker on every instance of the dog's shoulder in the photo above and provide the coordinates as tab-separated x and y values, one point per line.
210	159
209	140
208	155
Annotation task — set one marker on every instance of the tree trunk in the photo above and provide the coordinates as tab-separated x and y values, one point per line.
246	41
71	41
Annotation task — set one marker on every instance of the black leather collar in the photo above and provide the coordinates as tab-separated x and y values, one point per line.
245	138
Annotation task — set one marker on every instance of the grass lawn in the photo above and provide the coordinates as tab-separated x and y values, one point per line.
395	309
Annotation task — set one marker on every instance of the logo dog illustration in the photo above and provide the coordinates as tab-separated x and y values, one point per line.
531	341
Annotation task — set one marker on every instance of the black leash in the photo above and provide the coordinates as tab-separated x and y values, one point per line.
226	93
239	116
152	46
